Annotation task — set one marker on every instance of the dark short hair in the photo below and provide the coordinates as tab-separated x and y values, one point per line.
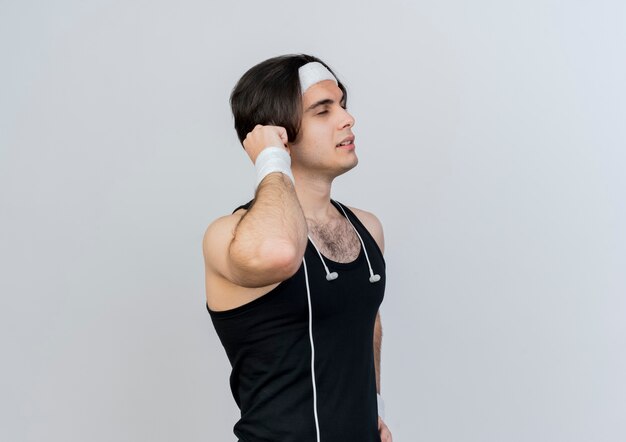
269	94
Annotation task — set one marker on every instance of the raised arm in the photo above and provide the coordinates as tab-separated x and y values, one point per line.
266	244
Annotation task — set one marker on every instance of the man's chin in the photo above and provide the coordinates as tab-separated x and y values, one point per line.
349	167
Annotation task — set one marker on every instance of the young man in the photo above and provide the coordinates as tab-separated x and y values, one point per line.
294	279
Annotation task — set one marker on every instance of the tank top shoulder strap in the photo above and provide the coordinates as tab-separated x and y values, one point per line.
244	206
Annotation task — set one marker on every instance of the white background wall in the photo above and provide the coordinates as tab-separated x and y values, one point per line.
491	138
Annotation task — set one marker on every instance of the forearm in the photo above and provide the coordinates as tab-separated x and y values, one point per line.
378	338
273	227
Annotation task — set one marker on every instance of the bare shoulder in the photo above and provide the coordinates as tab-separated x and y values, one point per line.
372	224
216	239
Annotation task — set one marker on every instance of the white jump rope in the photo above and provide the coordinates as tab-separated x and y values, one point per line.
277	159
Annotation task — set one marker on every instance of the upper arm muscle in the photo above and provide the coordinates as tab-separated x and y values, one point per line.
216	243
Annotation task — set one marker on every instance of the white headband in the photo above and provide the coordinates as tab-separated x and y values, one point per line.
312	73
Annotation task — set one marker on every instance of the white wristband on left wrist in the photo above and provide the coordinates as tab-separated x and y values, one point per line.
381	406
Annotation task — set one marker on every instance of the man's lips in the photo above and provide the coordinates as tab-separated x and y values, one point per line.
346	143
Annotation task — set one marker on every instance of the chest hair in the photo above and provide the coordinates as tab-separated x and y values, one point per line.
335	239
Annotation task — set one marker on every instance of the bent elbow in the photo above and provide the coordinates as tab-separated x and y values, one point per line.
282	260
269	263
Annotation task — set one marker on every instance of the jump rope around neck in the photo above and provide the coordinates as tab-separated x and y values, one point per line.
277	159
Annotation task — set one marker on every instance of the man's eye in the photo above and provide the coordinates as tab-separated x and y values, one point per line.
321	113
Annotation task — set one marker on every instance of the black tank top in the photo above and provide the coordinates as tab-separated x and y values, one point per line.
268	345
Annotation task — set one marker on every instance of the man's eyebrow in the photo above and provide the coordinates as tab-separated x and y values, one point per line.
324	102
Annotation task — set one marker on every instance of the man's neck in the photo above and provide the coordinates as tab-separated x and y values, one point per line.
314	196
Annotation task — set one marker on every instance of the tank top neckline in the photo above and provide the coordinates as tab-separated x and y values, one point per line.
335	264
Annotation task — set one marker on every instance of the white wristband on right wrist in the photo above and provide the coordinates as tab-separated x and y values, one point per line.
272	159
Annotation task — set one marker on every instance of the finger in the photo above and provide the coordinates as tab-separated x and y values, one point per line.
385	435
282	133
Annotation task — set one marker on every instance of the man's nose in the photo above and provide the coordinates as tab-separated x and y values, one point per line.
347	119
